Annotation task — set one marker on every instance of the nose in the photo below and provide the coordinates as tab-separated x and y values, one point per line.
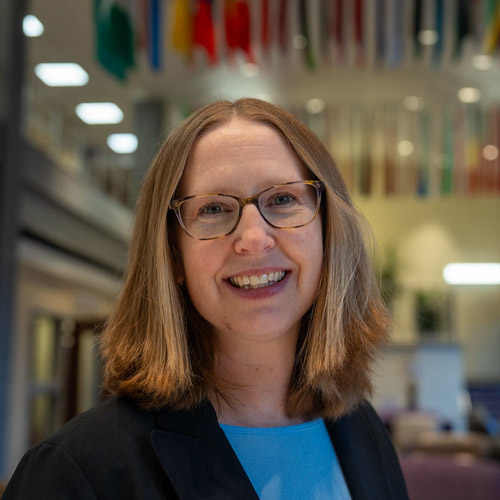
253	233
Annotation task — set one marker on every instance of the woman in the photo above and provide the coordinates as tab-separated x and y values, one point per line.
238	353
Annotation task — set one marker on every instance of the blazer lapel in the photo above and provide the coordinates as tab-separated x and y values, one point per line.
197	457
366	456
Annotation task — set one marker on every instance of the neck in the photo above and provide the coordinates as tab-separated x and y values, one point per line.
258	380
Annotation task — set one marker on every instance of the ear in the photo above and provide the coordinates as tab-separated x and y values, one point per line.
179	275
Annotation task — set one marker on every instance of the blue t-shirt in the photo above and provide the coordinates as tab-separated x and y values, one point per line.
291	462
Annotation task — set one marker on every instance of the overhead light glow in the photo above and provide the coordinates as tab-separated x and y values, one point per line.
315	105
122	143
62	74
482	62
97	113
428	37
469	95
299	42
490	152
405	148
250	70
472	273
413	103
32	26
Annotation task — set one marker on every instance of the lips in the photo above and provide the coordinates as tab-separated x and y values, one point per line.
253	282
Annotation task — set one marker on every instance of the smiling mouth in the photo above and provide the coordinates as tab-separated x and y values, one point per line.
253	282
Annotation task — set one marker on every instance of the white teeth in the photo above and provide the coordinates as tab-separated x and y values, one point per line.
252	282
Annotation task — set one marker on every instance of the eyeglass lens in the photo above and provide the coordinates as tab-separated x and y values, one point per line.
290	205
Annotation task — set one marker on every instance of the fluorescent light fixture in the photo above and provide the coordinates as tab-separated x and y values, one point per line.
405	148
315	105
122	143
299	42
490	152
469	94
97	113
32	26
486	273
413	103
482	62
428	37
62	74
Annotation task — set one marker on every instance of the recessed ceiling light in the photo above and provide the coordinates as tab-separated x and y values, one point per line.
482	62
469	94
315	105
490	152
413	103
32	26
62	74
95	113
122	143
428	37
487	273
405	148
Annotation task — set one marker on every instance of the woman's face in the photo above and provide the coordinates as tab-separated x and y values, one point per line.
244	158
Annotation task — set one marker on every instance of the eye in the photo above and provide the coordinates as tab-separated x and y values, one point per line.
212	209
282	199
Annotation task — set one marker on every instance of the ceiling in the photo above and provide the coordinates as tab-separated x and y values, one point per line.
284	79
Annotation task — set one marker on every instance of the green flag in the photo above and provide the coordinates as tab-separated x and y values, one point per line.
114	36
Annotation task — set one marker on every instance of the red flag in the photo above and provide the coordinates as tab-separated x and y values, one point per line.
265	38
237	20
282	27
338	28
203	30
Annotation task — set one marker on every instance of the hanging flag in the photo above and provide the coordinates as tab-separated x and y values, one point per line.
463	25
265	37
203	35
237	21
141	24
492	35
338	28
282	26
324	35
358	32
437	52
155	54
304	31
114	36
396	41
181	26
380	31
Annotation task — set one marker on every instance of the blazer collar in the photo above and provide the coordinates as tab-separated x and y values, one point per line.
197	456
356	441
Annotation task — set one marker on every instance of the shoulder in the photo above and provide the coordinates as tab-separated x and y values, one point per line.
106	449
111	424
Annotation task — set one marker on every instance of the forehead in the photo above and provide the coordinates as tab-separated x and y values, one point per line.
240	157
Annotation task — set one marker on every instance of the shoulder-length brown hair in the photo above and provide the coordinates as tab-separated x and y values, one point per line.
157	349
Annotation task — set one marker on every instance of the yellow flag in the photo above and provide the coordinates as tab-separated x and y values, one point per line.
492	35
182	26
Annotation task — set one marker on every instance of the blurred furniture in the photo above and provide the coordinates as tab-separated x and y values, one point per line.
458	477
407	426
451	443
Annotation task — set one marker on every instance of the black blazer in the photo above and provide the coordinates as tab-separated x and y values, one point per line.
119	451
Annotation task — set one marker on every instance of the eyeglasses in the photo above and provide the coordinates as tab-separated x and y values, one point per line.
210	216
